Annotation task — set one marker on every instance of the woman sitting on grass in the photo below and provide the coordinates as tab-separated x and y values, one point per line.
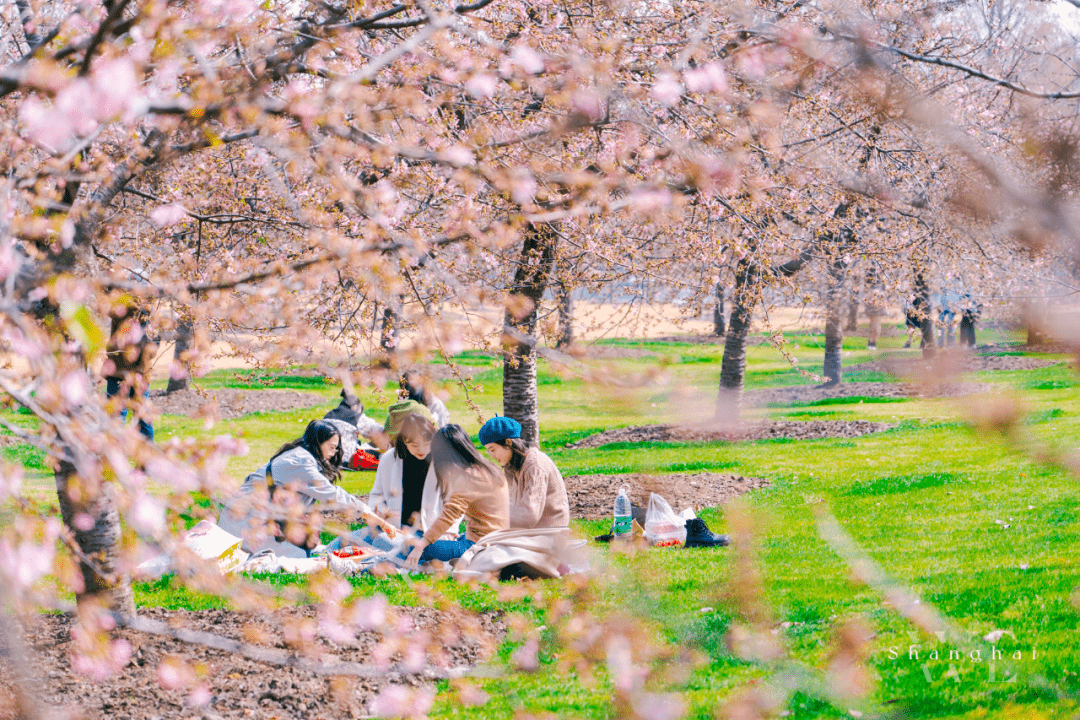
537	490
470	485
405	490
414	387
305	470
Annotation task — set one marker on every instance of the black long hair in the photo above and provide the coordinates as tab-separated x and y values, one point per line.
414	427
453	454
316	433
413	384
518	450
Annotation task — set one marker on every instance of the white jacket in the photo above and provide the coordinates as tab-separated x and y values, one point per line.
297	470
385	497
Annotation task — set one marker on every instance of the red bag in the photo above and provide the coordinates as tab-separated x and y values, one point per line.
363	460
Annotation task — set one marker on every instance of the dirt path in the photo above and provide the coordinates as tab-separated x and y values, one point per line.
230	403
591	496
791	429
236	687
801	394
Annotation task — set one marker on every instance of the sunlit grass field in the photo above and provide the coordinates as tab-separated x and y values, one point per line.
971	524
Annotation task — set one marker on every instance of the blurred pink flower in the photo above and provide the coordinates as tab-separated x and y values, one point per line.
116	87
482	86
527	657
370	614
396	701
666	90
146	515
11	480
527	59
74	387
166	215
706	79
659	706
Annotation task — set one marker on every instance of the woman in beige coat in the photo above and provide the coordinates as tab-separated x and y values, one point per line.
537	491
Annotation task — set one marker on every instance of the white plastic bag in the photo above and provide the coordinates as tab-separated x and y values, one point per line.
663	527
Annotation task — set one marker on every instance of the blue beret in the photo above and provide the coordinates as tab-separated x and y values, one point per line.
498	429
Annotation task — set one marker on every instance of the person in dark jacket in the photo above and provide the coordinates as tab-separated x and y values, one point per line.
129	357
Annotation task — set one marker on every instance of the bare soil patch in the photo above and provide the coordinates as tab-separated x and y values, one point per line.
238	687
591	496
772	429
231	403
953	362
802	394
610	352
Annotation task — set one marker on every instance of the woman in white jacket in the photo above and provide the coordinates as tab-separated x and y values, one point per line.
300	474
405	491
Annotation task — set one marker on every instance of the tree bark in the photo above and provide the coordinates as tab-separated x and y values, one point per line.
519	327
852	314
733	364
100	542
922	303
834	331
185	333
718	312
565	296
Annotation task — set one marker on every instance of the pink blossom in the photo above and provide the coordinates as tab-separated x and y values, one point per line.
752	64
482	86
177	371
46	127
527	59
527	656
370	614
523	188
166	215
173	674
659	706
116	87
20	345
397	701
8	262
651	200
11	480
83	521
199	696
147	515
666	90
458	155
589	104
74	387
76	103
67	233
708	78
415	656
174	475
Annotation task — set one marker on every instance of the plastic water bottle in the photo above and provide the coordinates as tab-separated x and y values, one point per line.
622	528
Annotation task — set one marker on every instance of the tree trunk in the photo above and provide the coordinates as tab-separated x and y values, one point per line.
718	312
180	375
100	542
733	365
922	305
834	331
519	327
565	296
852	314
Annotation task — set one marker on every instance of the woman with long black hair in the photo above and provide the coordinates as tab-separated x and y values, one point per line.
301	473
470	485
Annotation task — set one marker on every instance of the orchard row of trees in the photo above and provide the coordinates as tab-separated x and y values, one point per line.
312	179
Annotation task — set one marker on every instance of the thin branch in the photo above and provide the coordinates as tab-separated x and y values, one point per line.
273	656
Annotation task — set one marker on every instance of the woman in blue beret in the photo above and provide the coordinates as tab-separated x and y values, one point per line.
537	490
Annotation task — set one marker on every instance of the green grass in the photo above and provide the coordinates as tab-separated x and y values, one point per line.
928	501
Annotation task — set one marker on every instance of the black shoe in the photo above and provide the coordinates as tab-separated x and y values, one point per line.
699	535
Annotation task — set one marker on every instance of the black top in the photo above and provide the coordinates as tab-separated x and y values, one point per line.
413	474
